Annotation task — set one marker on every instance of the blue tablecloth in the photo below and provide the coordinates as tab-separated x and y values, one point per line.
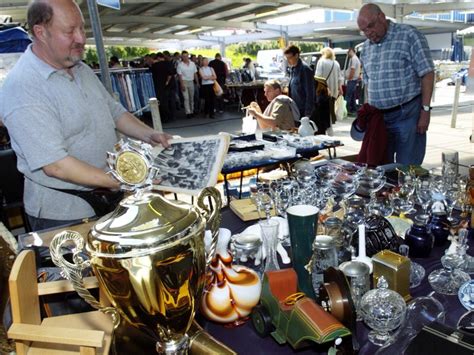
245	340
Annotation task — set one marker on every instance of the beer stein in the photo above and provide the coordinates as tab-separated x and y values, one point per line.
148	254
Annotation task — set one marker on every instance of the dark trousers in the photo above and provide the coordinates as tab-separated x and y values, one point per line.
38	224
162	95
220	99
351	95
209	98
332	109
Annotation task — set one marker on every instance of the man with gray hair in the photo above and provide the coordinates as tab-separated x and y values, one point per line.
61	120
399	74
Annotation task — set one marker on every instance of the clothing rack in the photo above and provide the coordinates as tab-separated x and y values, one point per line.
133	87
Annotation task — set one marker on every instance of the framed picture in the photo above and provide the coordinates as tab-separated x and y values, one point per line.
190	164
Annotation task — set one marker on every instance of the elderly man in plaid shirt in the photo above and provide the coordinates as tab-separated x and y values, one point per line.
399	74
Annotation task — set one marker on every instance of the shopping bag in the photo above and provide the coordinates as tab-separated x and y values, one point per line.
217	89
340	108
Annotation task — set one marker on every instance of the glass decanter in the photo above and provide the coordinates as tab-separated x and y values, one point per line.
383	310
448	280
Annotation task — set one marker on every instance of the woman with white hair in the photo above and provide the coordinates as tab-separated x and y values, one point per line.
208	77
328	68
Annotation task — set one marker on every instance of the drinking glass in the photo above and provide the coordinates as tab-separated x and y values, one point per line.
344	185
450	164
423	196
372	185
406	183
451	198
401	203
380	206
269	228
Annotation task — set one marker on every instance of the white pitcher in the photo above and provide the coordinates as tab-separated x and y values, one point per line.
307	127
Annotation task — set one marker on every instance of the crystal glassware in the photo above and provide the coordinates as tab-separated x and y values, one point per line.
420	312
324	256
269	228
383	310
451	198
423	197
246	251
402	203
448	280
417	272
380	206
372	185
344	185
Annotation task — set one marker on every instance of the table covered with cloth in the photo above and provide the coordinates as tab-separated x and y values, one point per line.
244	339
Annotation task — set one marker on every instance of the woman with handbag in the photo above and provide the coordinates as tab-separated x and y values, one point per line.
329	69
208	77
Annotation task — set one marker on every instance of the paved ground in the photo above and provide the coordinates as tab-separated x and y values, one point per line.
440	135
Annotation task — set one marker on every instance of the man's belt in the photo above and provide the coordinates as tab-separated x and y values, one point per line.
399	107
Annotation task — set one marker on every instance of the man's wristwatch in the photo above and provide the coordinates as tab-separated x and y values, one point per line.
426	108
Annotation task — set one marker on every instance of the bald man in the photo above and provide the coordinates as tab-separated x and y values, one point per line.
61	119
399	73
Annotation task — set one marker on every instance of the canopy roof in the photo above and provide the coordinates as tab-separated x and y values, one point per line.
186	23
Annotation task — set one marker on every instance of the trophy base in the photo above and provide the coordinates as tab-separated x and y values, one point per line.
179	347
130	340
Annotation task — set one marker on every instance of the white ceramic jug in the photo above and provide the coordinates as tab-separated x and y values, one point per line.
307	127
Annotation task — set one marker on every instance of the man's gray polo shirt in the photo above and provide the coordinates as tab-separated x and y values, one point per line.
51	115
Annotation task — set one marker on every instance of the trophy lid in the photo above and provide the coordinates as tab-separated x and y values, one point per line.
143	222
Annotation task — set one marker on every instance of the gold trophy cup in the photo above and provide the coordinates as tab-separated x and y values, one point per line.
148	254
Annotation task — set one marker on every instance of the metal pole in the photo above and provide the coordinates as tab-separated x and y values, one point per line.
99	43
155	114
456	102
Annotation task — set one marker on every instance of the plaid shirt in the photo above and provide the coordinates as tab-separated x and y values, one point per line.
393	68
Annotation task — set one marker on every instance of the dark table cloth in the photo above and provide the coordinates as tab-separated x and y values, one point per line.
244	339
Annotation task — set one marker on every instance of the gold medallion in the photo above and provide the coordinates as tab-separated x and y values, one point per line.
131	167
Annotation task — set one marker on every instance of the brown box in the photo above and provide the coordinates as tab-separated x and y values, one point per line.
396	270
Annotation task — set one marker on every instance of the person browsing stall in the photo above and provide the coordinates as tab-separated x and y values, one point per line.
301	86
61	120
282	111
208	77
328	68
187	74
351	75
399	75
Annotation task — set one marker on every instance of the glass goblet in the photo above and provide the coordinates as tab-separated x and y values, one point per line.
372	185
452	196
402	204
380	206
423	196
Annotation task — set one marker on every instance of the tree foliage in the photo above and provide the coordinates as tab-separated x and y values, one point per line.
123	53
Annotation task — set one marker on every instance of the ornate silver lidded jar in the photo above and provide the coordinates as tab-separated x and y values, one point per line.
148	254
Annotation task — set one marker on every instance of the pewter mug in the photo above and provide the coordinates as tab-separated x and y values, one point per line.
149	258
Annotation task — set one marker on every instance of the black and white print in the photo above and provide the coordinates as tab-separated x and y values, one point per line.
190	165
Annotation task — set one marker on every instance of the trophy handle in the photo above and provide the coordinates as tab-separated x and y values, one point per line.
213	216
73	271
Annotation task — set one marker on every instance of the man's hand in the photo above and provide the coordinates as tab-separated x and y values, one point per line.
160	138
251	111
423	122
183	88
